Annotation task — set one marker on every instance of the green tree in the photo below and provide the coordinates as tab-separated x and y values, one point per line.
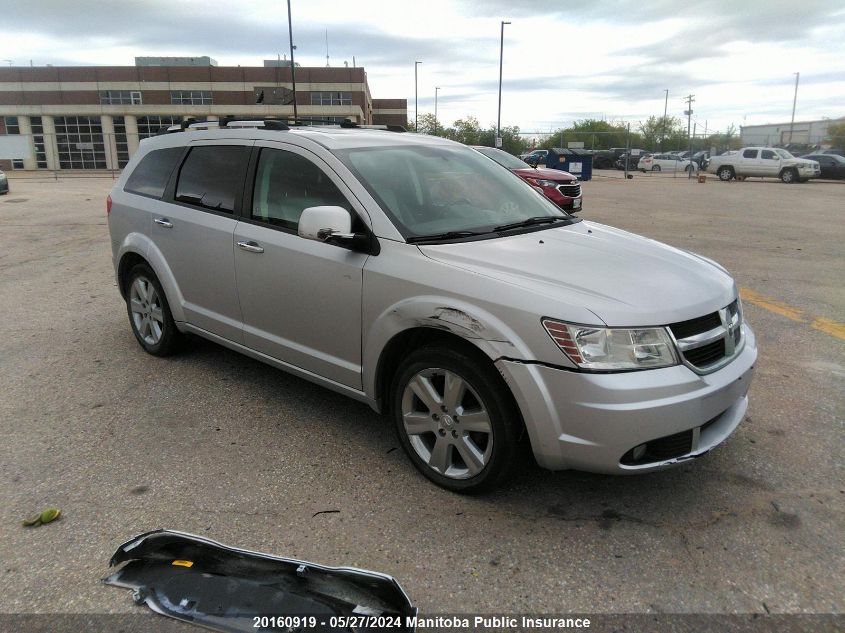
836	134
657	128
594	133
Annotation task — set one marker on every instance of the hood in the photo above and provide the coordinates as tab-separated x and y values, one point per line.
541	172
624	279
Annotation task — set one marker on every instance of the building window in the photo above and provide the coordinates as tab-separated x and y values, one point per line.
150	125
120	97
331	98
38	142
13	128
121	145
273	96
190	97
79	141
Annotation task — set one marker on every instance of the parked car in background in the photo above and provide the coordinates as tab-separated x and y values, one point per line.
4	183
606	158
832	165
701	159
559	186
537	157
771	162
837	151
631	158
665	162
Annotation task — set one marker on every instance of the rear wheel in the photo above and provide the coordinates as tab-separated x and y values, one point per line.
655	168
455	419
789	176
725	173
149	313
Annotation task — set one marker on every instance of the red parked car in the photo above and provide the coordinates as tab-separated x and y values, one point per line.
560	187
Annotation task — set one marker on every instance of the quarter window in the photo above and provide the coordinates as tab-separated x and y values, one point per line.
286	184
212	175
151	175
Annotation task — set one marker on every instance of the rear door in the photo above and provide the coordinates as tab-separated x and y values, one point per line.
750	163
194	233
301	299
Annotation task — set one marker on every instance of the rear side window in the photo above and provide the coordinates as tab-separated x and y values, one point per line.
750	153
286	184
212	176
152	173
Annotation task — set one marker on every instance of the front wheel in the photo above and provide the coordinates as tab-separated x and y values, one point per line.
688	168
655	168
149	313
788	176
455	419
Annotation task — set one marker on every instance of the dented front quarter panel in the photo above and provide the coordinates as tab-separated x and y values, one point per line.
404	289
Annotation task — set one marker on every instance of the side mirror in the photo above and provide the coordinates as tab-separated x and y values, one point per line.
325	223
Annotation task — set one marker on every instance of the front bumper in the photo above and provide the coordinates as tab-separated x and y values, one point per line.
589	421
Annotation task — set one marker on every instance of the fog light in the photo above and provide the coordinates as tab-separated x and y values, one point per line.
638	452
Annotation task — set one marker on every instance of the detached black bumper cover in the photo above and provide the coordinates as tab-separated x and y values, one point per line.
194	579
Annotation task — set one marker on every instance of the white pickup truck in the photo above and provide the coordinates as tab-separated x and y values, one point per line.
772	162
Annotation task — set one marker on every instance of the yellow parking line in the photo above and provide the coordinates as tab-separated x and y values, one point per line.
772	305
828	326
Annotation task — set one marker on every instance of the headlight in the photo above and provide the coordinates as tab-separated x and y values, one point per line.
609	349
540	182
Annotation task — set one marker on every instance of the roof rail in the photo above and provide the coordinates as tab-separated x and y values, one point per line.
269	123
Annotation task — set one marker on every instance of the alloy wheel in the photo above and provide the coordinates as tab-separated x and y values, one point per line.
147	313
447	424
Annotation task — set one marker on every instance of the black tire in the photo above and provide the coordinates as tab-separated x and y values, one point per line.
655	168
789	176
688	168
493	397
725	173
170	338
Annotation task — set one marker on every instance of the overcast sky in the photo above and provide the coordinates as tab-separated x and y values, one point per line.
612	59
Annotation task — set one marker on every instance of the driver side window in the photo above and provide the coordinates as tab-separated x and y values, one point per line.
286	184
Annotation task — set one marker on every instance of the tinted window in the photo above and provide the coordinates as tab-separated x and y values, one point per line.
152	173
750	153
286	183
767	153
212	176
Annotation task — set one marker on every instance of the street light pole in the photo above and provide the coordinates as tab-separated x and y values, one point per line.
436	88
665	110
794	101
501	53
416	98
292	64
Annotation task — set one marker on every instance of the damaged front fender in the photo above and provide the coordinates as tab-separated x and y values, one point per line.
198	580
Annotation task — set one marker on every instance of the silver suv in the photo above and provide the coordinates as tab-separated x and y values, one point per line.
417	275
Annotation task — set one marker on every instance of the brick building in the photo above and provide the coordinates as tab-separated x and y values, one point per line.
93	117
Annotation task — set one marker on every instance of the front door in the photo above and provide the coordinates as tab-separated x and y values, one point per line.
300	299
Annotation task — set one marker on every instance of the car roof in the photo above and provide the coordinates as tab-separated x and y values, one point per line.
332	138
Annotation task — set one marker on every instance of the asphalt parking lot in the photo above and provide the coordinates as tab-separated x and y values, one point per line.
214	443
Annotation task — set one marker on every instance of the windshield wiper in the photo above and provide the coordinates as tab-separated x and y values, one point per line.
448	235
542	219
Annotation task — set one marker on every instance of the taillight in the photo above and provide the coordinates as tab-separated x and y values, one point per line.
108	205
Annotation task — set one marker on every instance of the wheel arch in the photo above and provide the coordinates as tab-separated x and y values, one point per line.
139	249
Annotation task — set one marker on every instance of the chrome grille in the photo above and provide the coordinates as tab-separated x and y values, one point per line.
571	189
709	342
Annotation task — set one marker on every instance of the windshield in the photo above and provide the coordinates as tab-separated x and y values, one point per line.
502	157
429	191
783	153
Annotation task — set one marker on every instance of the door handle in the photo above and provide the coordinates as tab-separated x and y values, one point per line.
164	222
252	247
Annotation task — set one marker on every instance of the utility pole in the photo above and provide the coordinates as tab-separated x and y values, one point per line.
794	101
436	89
688	112
665	111
416	98
689	173
501	55
292	64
